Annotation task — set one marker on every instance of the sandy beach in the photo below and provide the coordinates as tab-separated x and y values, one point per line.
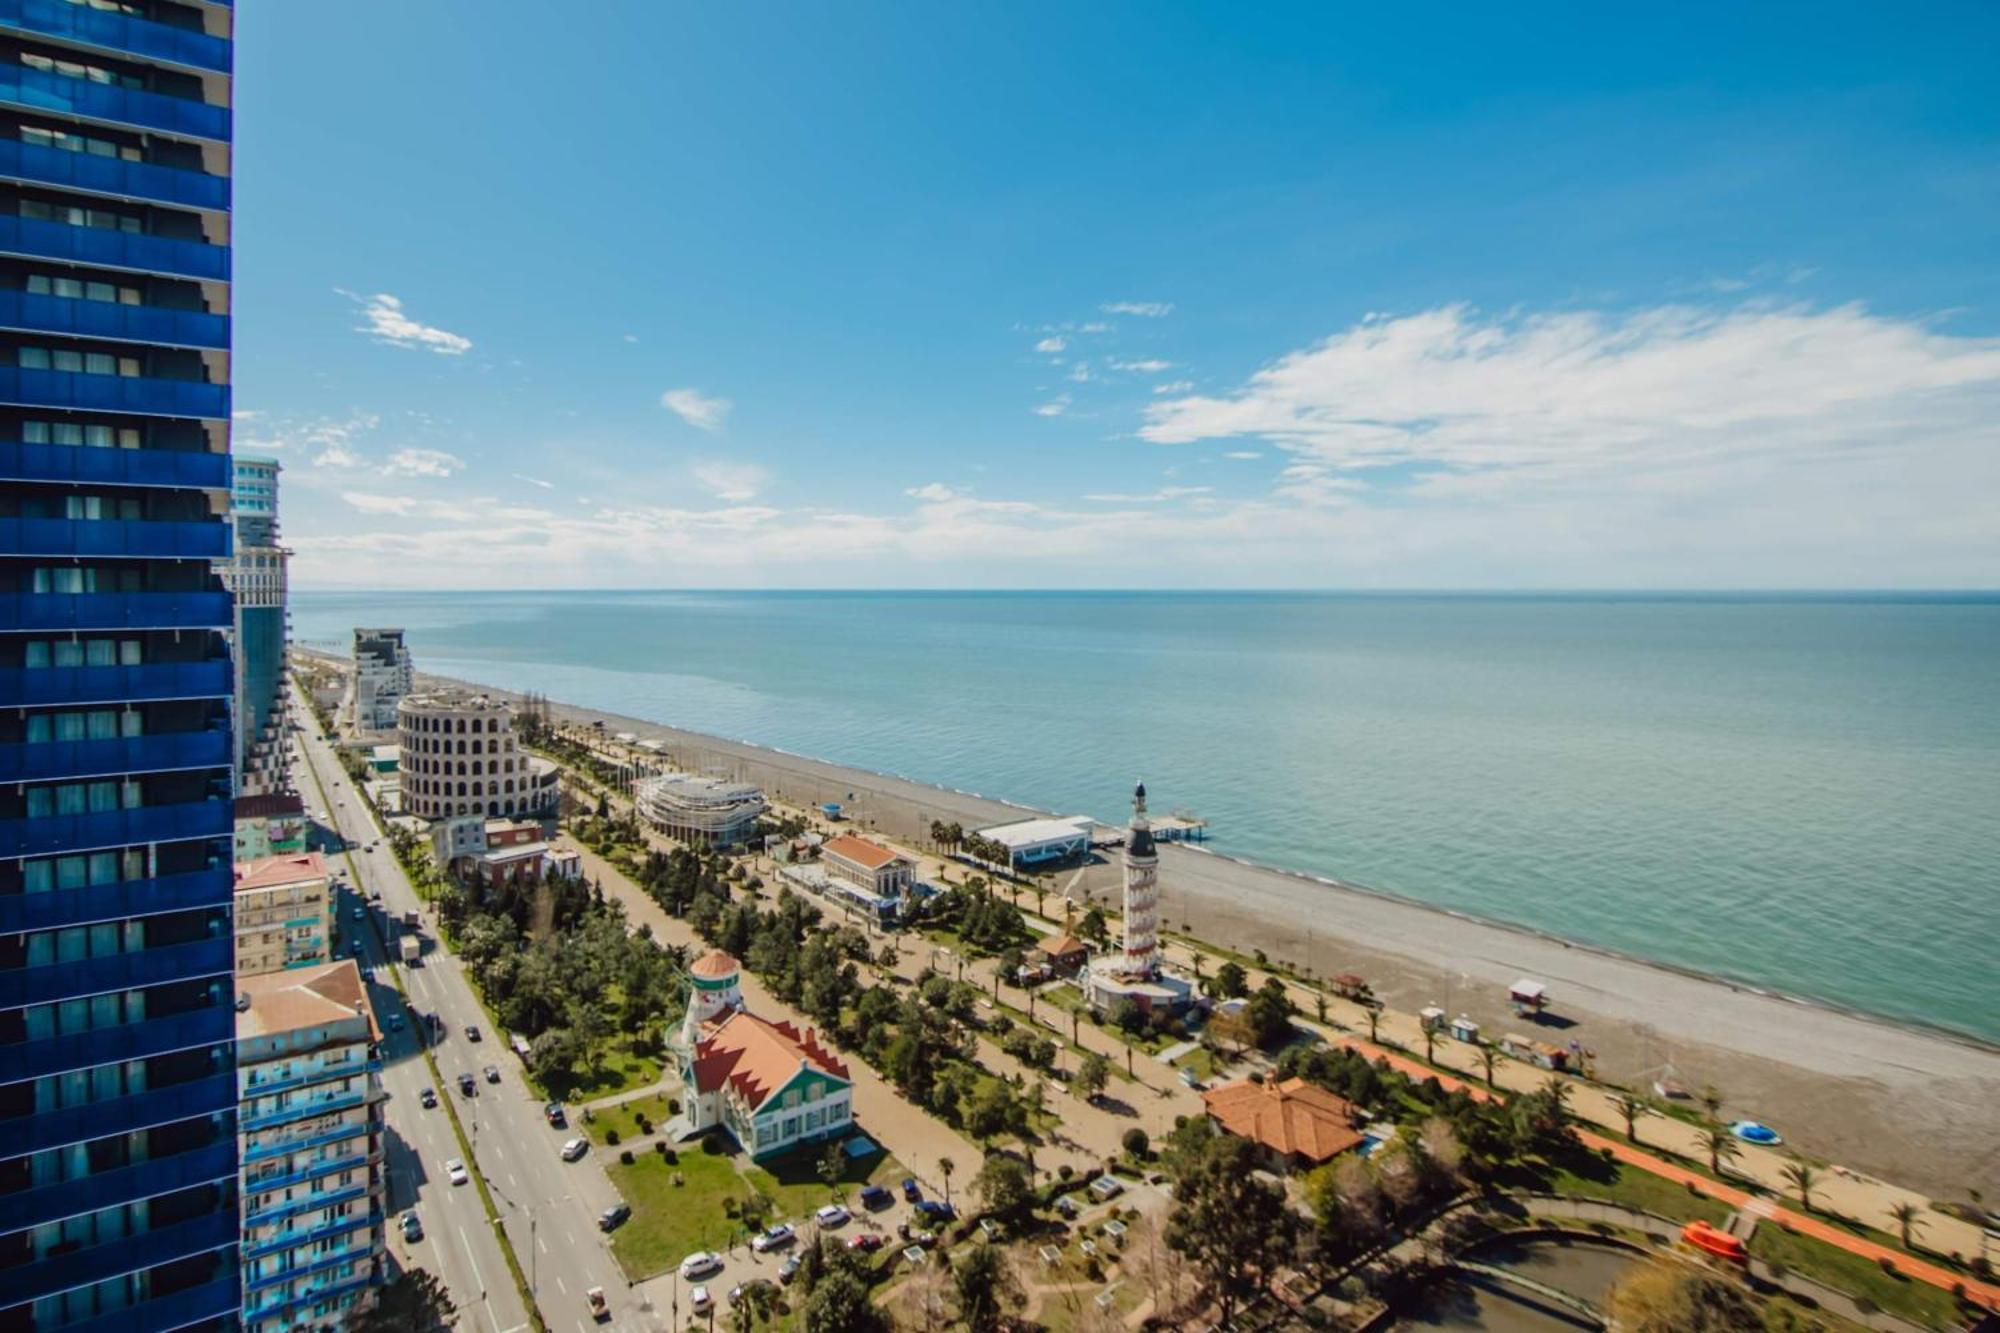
1914	1106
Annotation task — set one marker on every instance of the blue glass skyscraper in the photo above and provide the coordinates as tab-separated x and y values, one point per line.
118	1204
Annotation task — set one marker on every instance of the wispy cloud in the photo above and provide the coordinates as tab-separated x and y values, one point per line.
422	463
1149	367
1243	454
1051	345
935	492
1080	373
1161	496
1055	407
732	481
1142	309
534	481
388	323
370	503
1176	386
696	408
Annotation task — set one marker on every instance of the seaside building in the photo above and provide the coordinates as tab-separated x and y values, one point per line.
310	1083
1297	1124
702	810
255	574
381	676
1134	972
457	755
769	1086
284	913
500	851
270	825
1038	842
118	1194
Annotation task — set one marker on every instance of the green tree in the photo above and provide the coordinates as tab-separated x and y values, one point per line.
413	1302
1802	1178
1720	1144
945	1167
1231	981
986	1287
1488	1054
1232	1226
839	1304
1630	1106
1003	1187
1093	926
1091	1075
832	1166
1666	1297
1908	1217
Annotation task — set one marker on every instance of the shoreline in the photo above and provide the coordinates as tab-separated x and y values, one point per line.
1914	1102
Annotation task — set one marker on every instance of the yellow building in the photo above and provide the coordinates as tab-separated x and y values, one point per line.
284	913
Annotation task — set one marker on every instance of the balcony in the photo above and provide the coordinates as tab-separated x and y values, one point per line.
114	610
59	908
359	1254
112	177
115	538
103	247
141	1180
141	395
77	318
215	1026
307	1109
129	1254
276	1304
42	91
181	1309
31	687
261	1152
118	34
286	1240
201	1098
296	1206
319	1073
113	467
115	972
323	1166
54	834
167	752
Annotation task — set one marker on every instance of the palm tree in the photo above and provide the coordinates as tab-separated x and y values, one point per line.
1907	1216
1374	1021
1319	1005
1430	1044
1711	1100
1629	1106
1557	1090
1720	1144
1488	1053
945	1167
1801	1178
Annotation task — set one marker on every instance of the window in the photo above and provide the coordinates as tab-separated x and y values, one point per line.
70	69
75	215
70	360
79	289
76	435
70	142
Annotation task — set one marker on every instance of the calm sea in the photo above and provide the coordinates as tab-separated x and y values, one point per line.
1799	793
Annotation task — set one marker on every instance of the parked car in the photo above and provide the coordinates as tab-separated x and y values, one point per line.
699	1300
600	1306
936	1210
554	1113
429	1098
455	1169
867	1242
833	1215
467	1084
574	1149
742	1289
613	1217
413	1228
700	1264
788	1269
472	1032
874	1197
911	1194
776	1238
493	1073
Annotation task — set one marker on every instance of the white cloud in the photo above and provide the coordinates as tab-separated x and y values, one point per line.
369	503
1055	407
1161	496
1051	345
1096	326
422	463
1143	309
244	414
1243	453
1150	367
336	454
695	408
534	481
731	481
1175	386
1080	373
631	337
935	492
388	324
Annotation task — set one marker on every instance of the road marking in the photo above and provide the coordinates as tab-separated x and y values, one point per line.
560	1286
472	1259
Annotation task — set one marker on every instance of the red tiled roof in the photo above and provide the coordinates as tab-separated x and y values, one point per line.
860	851
1294	1117
269	805
715	963
757	1057
1062	946
269	871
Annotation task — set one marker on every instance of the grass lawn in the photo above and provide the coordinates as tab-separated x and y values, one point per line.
669	1221
1898	1295
624	1118
1205	1066
1637	1189
793	1185
624	1070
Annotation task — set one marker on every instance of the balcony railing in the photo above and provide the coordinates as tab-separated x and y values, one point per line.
181	1309
313	1170
359	1254
78	318
113	467
214	1026
167	752
142	395
42	90
286	1240
293	1208
115	972
112	177
113	1258
53	834
115	610
305	1110
274	1303
117	33
318	1074
103	247
116	538
261	1152
127	1184
47	686
201	1098
125	899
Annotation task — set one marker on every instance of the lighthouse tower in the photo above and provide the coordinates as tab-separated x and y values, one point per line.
712	995
1142	894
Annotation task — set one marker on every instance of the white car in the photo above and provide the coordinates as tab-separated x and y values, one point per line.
700	1299
702	1263
455	1169
833	1215
776	1238
574	1149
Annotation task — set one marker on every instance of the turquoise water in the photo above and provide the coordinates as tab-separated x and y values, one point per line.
1803	794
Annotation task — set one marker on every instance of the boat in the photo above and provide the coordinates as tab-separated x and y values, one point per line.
1715	1241
1755	1131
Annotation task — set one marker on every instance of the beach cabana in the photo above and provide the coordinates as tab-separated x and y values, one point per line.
1528	996
1464	1029
1349	987
1431	1017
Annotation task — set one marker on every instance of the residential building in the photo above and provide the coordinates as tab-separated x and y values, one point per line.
273	824
769	1086
700	810
458	755
310	1083
255	575
502	851
284	913
1064	955
868	866
1297	1124
382	675
118	1193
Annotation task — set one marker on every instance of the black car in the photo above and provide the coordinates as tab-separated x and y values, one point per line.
556	1118
468	1085
874	1196
935	1209
613	1217
428	1097
471	1032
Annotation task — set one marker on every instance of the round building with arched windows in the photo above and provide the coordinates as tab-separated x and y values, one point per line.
460	757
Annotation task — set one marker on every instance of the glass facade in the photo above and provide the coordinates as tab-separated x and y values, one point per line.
120	1207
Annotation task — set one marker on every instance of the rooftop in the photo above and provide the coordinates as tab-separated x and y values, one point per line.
270	872
872	855
758	1057
1292	1117
1061	946
714	963
303	997
1028	832
271	805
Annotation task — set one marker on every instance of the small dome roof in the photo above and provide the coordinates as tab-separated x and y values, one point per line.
714	964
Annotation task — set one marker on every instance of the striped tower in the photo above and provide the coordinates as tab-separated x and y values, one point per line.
1142	894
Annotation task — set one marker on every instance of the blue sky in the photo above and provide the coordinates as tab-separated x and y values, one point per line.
1122	295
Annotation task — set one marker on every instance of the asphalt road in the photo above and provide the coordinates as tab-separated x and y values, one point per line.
549	1207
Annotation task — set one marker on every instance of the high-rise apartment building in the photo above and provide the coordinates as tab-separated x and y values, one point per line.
118	1159
255	576
382	676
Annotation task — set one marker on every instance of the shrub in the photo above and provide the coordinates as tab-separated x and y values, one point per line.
1135	1142
673	1158
712	1144
673	1106
611	1138
660	1146
1065	1171
625	1156
645	1125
